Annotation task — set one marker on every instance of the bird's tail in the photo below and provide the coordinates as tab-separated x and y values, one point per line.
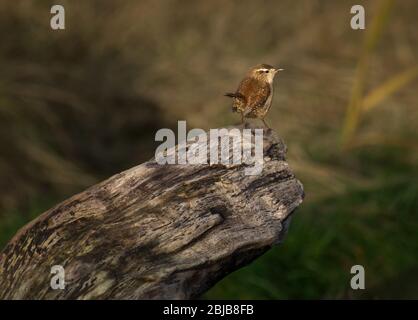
229	94
236	95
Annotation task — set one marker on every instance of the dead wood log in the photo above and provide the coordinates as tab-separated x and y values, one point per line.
154	231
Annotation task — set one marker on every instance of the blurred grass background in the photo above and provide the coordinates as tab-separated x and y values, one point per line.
79	105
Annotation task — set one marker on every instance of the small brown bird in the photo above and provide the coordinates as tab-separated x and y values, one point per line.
255	93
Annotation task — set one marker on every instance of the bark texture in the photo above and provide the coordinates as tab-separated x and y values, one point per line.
154	231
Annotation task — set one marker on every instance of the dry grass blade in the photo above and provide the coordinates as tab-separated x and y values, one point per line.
388	88
353	112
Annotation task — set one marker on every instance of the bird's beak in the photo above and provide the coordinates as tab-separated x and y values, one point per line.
277	70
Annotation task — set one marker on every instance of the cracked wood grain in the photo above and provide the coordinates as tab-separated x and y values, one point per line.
154	231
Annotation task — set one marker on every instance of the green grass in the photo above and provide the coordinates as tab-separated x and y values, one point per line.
12	221
375	227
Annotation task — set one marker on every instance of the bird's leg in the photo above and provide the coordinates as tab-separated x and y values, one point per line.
242	119
265	123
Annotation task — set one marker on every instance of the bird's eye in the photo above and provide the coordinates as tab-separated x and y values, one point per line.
266	71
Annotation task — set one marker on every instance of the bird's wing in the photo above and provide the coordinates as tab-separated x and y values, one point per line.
257	96
238	101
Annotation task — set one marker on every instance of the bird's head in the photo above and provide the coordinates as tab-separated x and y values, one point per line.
264	72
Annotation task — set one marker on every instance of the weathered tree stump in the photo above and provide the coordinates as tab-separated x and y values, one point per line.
154	231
